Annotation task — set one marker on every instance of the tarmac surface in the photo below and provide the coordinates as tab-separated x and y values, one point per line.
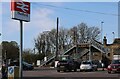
47	73
51	73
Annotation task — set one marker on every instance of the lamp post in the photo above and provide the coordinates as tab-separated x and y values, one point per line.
101	30
113	36
101	42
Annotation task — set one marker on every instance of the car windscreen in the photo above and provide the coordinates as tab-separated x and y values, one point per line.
86	63
25	63
64	58
116	62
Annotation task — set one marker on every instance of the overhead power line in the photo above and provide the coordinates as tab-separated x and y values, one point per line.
66	8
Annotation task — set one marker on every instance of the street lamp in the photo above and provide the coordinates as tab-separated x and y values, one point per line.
101	41
101	30
113	36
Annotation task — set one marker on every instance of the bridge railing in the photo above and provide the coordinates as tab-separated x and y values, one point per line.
84	52
91	42
99	46
53	56
48	59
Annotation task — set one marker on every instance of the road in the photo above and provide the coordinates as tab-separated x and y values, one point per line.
50	72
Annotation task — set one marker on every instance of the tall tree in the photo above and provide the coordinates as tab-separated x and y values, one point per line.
46	41
62	39
85	33
10	50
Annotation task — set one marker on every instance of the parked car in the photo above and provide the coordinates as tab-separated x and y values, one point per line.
26	66
88	66
66	64
114	66
0	69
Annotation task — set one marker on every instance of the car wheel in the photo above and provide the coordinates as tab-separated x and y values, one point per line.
92	69
80	70
69	70
75	70
96	69
64	70
109	72
58	70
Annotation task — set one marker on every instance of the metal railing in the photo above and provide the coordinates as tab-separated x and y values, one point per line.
98	46
49	58
84	52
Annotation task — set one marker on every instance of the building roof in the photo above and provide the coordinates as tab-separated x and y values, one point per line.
116	41
117	51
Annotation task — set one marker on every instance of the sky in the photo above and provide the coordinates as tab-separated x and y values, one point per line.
43	18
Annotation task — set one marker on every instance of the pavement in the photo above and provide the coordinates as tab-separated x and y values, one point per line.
49	68
44	68
101	69
51	73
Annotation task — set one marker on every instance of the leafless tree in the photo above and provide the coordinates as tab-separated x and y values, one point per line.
46	41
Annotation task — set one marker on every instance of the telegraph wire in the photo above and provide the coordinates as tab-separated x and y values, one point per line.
66	8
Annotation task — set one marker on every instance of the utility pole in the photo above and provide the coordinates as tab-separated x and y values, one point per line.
57	39
56	55
75	40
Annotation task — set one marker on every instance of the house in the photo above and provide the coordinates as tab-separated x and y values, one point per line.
114	48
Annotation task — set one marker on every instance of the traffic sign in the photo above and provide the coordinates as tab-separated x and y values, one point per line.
11	70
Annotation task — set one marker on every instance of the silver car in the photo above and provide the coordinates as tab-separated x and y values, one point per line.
88	66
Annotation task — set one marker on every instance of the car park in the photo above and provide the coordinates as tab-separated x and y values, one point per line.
114	66
88	66
66	64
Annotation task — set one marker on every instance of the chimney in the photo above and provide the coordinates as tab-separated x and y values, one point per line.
104	41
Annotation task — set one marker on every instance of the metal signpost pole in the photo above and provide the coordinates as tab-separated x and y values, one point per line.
21	49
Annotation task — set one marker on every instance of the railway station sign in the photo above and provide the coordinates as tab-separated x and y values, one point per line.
20	10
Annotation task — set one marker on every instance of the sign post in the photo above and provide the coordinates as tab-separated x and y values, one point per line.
13	72
20	11
21	49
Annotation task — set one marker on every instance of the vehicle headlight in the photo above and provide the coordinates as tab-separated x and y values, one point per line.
81	67
109	66
58	63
